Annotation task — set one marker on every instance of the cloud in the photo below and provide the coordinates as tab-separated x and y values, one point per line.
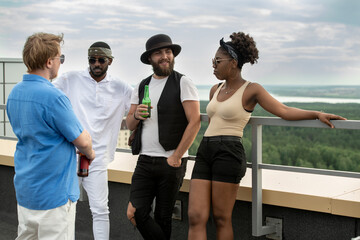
121	24
292	36
204	21
261	11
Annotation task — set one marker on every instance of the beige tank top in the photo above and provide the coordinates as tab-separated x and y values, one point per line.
228	117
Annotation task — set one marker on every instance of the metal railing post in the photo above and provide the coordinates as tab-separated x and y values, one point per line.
256	155
4	100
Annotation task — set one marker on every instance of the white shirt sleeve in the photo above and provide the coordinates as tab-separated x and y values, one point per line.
61	82
189	91
135	95
128	93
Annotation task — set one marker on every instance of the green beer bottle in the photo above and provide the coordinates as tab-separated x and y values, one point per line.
147	101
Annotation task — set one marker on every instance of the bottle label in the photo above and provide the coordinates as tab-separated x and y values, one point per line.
83	170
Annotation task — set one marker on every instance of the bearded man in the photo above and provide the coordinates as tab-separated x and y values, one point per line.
165	138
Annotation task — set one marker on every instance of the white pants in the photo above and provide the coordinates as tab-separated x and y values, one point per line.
53	224
96	187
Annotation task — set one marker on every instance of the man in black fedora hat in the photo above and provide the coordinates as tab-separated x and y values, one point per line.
165	138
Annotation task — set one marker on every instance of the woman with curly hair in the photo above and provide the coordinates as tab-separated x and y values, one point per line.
220	161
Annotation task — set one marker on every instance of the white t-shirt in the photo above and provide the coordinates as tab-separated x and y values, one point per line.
100	108
150	144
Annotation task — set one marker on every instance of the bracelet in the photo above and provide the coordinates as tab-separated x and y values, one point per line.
136	117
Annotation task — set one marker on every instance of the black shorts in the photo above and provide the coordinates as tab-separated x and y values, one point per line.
220	158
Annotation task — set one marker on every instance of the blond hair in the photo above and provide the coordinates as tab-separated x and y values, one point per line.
39	47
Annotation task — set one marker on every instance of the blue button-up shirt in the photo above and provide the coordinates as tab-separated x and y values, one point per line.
45	160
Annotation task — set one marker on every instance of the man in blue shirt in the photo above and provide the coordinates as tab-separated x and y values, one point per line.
48	131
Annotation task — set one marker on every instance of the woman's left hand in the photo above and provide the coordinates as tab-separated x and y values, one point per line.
326	117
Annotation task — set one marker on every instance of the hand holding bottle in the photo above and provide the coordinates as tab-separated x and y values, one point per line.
141	112
146	101
84	163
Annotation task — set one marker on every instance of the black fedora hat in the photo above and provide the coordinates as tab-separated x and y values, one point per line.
157	42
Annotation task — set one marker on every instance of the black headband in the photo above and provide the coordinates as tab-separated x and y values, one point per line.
231	50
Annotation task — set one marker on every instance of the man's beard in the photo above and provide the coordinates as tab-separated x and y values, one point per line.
163	72
53	74
100	74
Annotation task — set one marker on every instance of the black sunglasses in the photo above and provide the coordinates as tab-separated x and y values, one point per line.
215	62
62	58
93	60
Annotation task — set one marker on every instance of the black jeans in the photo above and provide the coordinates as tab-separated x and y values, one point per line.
155	178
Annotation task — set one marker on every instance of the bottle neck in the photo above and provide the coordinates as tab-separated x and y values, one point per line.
146	92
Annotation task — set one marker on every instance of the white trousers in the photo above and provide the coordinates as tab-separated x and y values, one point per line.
53	224
96	187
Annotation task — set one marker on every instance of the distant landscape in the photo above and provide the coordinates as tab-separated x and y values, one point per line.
349	92
307	147
316	91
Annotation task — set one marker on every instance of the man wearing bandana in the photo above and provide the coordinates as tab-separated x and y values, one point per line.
100	102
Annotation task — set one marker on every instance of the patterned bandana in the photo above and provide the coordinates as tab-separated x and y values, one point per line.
232	51
99	51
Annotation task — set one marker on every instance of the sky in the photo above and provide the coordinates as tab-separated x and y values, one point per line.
300	42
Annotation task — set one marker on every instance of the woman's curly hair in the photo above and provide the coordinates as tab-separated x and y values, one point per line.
246	47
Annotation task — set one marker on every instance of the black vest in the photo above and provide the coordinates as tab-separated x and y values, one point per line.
172	120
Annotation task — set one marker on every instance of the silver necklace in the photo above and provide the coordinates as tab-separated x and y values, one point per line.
230	90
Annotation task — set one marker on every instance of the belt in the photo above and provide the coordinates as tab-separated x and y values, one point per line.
147	156
223	139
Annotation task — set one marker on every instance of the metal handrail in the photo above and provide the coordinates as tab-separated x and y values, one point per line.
256	153
257	122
